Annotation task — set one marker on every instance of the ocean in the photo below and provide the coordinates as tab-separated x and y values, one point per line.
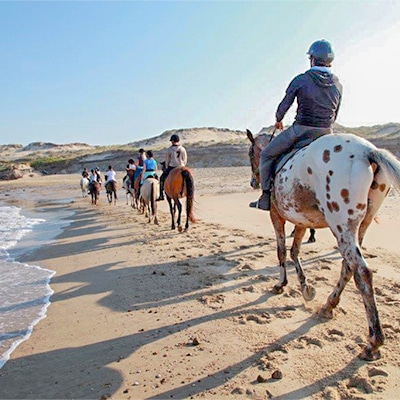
25	289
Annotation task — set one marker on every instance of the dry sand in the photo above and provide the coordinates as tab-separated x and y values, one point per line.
140	311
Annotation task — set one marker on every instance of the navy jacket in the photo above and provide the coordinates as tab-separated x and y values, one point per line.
318	94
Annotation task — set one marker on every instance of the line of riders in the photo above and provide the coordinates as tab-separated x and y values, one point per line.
144	166
318	93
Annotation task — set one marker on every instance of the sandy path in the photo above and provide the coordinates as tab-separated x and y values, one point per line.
143	312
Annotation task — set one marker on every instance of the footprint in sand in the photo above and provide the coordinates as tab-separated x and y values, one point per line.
308	340
360	383
261	319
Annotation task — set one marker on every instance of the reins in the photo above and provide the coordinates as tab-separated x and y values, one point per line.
273	134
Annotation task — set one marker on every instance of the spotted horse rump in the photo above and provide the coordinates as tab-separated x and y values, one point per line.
338	181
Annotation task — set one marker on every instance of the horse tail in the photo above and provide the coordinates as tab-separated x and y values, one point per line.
153	198
389	163
188	180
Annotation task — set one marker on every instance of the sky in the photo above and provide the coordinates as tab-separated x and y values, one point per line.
113	72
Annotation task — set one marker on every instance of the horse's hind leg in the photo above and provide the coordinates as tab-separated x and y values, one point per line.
363	281
279	227
311	239
307	291
178	221
354	264
334	298
172	212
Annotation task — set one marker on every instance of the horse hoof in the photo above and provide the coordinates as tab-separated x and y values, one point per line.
179	228
325	313
369	354
311	240
277	289
308	293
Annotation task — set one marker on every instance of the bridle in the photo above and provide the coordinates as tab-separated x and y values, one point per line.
255	166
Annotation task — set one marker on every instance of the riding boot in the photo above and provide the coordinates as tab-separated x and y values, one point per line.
264	202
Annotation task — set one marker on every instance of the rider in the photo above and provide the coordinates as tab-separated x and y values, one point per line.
94	177
110	176
85	173
149	166
139	163
318	94
176	156
98	173
131	165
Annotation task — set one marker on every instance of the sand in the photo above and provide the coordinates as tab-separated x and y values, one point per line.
140	311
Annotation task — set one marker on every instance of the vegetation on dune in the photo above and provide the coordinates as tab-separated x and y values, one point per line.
50	162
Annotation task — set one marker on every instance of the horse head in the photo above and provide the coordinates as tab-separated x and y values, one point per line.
257	144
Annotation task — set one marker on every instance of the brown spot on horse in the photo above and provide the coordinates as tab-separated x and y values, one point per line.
345	195
326	156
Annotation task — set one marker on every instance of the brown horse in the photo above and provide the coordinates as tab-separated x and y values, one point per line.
111	190
94	190
179	184
136	191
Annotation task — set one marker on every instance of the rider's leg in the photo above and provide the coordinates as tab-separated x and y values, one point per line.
279	145
163	177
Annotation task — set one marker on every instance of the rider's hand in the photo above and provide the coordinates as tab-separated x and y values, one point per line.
279	125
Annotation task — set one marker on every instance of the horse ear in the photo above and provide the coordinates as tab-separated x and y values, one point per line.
250	136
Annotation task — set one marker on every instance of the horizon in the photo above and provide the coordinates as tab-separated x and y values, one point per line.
119	72
176	129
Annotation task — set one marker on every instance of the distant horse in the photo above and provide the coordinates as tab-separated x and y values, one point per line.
149	193
136	190
126	184
111	190
339	181
94	190
179	184
84	183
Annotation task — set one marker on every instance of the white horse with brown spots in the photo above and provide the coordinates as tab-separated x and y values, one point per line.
339	181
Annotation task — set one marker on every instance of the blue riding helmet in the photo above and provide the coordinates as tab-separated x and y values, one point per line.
322	50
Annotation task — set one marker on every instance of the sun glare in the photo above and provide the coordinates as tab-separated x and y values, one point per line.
368	71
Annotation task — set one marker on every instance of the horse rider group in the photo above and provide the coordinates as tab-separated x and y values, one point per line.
93	176
146	166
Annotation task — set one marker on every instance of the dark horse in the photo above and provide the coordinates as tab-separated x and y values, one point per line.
111	190
94	190
338	181
179	184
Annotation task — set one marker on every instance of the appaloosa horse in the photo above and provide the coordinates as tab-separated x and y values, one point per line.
179	184
339	181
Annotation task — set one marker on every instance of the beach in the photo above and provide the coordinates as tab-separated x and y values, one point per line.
139	311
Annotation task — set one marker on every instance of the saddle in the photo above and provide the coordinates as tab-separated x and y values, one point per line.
306	139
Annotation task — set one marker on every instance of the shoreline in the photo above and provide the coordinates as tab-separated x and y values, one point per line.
140	311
